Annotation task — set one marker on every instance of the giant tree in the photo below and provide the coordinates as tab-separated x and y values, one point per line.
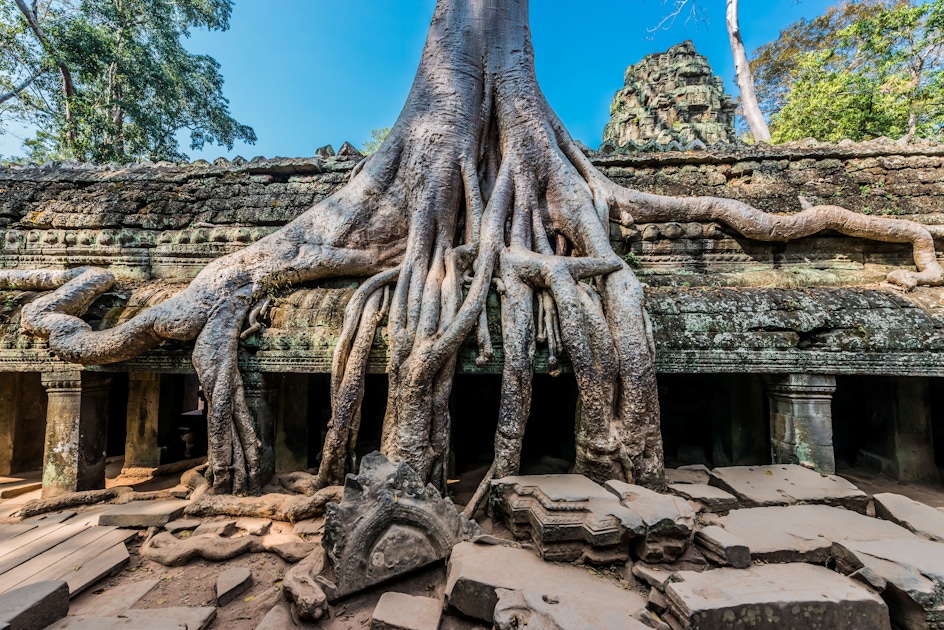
478	186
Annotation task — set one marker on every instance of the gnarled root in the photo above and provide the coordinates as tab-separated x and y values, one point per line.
301	587
36	507
280	507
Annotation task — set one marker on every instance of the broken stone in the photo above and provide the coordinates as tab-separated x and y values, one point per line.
389	523
311	527
325	151
914	516
657	602
478	572
773	597
569	518
278	618
289	547
183	524
113	601
655	577
697	473
231	584
397	611
190	618
348	150
788	484
35	606
220	528
711	498
913	570
530	608
254	526
143	514
669	521
804	533
116	623
723	547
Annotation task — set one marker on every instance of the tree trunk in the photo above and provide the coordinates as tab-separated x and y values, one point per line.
745	80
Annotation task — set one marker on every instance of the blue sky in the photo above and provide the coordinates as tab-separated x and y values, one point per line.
305	73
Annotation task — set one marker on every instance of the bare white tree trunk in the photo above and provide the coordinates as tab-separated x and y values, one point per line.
745	80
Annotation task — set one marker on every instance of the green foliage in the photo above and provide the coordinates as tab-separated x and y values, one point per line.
377	136
136	85
864	69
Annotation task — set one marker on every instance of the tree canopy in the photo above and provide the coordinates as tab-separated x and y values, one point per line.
863	69
110	80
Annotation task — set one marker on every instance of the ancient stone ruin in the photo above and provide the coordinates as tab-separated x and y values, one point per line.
671	97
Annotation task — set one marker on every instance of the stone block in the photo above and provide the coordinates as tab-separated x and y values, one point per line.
112	601
568	517
478	573
397	611
695	473
143	514
231	584
712	499
35	606
183	524
787	484
723	547
914	516
220	528
187	617
530	608
669	521
654	576
278	618
774	597
116	623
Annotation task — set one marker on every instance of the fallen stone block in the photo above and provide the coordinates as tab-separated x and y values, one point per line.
804	533
710	498
569	518
657	602
774	597
190	618
220	528
477	573
914	516
787	484
723	547
530	608
397	611
696	473
669	521
35	606
231	584
278	618
656	577
913	573
115	623
113	601
143	514
182	524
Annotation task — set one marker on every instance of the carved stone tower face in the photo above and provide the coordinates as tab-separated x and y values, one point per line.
671	96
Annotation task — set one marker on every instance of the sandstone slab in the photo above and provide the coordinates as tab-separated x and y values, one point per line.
191	618
143	514
278	618
697	473
478	572
398	611
35	606
787	484
804	533
182	524
710	498
773	597
116	623
669	521
568	517
220	528
723	547
231	584
529	608
113	601
914	516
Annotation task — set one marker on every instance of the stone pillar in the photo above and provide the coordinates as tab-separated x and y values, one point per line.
801	422
914	449
144	397
262	398
22	420
291	434
76	425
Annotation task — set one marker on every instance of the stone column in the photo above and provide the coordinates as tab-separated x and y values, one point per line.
291	435
76	425
262	399
141	445
801	422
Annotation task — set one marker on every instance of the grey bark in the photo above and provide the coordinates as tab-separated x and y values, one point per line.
745	80
478	184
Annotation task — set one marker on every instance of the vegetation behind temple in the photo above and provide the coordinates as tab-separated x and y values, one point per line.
134	85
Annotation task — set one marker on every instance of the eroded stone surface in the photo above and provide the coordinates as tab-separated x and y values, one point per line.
35	606
913	515
231	584
113	601
669	521
478	572
220	528
568	517
529	608
774	597
712	499
143	514
398	611
787	484
182	524
695	473
723	547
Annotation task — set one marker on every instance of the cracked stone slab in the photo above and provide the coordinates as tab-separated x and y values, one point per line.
669	521
723	547
530	608
112	602
568	517
398	611
787	484
912	571
710	498
804	533
35	606
914	516
773	597
143	514
477	572
231	584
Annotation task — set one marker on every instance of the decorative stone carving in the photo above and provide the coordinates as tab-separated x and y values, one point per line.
671	96
668	521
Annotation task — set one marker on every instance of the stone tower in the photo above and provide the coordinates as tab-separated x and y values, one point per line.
671	96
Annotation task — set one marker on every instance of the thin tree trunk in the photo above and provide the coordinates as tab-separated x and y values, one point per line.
19	88
745	80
